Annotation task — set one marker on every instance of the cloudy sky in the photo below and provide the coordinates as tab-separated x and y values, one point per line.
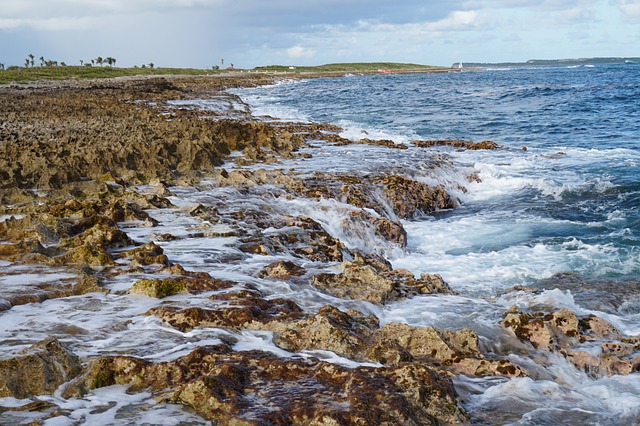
248	33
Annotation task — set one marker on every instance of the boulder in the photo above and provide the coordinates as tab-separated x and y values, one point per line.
158	288
563	332
244	309
282	269
409	198
38	370
330	329
148	254
361	280
356	282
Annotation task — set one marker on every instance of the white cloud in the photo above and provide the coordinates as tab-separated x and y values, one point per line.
630	9
456	21
254	32
298	51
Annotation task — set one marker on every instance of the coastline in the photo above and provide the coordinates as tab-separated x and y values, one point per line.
92	145
73	155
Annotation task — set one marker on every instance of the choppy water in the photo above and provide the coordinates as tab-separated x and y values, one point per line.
569	203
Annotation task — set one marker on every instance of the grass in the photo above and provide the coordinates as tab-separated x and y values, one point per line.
24	75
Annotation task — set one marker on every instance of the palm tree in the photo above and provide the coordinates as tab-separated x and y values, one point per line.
42	61
1	66
99	60
113	61
81	62
26	63
31	58
150	64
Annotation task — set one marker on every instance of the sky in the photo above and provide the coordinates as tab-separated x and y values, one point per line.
250	33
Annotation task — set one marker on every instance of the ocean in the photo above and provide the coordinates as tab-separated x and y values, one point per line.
552	226
568	203
556	210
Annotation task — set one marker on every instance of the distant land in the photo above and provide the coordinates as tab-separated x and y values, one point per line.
15	74
549	62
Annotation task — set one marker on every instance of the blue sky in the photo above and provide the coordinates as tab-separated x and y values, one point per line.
248	33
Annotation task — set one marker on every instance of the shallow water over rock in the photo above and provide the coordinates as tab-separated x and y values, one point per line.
281	278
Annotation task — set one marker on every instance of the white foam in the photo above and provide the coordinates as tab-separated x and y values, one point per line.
112	405
5	217
450	312
491	250
331	357
263	341
615	399
355	132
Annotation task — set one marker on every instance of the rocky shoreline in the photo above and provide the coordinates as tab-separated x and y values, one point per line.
81	163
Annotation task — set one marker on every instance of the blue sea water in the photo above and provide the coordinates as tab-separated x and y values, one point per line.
577	184
561	217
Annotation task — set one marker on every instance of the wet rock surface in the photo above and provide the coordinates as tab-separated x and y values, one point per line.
258	388
86	168
359	280
455	143
590	343
39	370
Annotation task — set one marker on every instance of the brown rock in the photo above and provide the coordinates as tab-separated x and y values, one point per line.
254	387
148	254
330	329
185	283
457	144
360	281
596	328
360	221
547	332
158	288
443	346
356	282
283	269
562	331
409	198
38	370
248	310
612	361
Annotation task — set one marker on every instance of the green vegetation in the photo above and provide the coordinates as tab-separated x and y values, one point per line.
94	69
349	67
23	75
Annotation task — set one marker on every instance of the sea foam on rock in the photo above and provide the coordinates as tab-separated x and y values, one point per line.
89	144
258	388
564	332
